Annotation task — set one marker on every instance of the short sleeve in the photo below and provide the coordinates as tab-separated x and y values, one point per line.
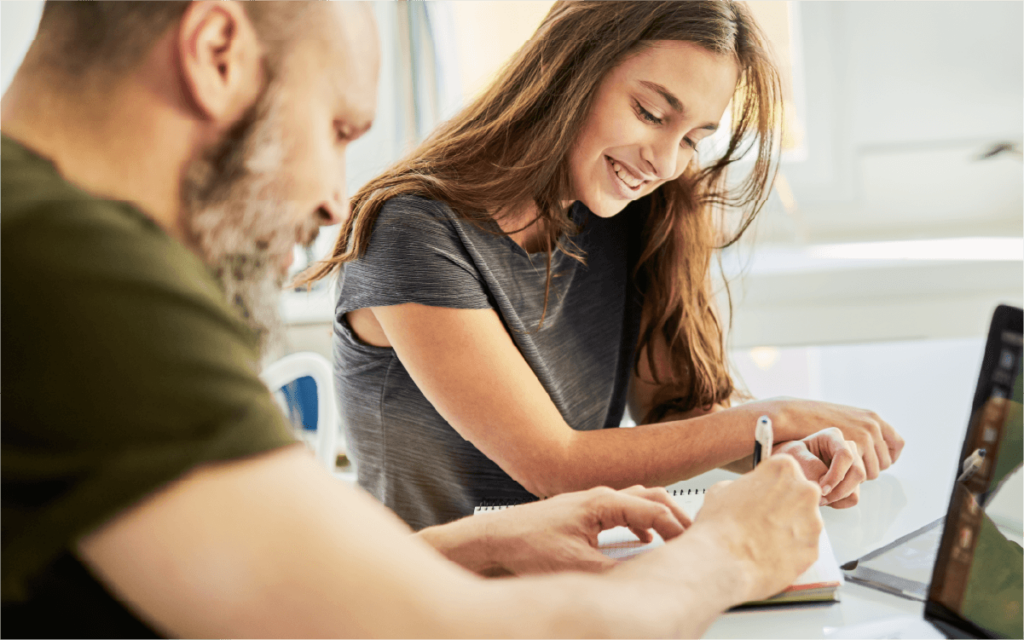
418	253
123	369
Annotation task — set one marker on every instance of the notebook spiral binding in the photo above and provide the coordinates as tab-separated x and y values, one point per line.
487	506
688	492
497	505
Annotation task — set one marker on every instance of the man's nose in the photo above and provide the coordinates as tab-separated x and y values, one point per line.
334	211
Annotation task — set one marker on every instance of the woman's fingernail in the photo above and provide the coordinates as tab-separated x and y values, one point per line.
822	502
826	490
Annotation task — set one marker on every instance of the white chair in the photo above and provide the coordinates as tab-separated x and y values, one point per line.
298	365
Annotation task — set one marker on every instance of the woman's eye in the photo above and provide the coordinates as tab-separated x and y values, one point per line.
690	143
646	115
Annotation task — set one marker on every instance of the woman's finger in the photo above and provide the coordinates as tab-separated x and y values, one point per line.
869	456
849	501
840	463
811	466
851	482
881	447
893	440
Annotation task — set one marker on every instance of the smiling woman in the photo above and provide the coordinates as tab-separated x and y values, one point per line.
544	257
617	159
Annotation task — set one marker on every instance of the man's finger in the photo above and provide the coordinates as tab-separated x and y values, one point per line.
585	558
659	494
621	509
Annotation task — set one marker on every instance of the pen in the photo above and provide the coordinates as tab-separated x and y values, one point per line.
762	439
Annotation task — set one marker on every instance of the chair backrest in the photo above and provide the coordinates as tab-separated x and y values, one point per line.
299	365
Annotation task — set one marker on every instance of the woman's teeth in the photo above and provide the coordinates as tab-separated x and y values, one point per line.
625	176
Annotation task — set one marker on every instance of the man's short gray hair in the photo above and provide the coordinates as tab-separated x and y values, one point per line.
86	38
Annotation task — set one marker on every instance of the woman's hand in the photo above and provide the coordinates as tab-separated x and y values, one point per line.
878	443
832	462
560	533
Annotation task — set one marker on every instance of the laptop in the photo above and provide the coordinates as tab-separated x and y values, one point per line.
967	565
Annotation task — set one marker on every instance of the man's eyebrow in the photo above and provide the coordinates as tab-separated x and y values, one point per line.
674	102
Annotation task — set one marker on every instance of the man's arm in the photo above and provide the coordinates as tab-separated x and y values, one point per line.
273	546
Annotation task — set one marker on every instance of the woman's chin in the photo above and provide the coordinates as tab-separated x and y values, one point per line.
605	207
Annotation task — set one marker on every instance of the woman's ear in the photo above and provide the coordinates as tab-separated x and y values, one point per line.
220	60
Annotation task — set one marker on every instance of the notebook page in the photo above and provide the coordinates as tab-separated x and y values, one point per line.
620	543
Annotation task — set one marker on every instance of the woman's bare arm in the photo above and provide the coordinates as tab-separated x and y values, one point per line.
467	366
874	442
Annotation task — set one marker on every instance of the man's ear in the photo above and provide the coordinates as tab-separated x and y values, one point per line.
220	57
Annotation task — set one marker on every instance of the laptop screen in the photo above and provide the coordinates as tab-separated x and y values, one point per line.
977	583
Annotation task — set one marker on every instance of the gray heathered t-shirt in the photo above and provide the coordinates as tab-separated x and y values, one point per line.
407	455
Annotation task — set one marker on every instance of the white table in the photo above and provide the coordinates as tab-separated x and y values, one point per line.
890	507
909	495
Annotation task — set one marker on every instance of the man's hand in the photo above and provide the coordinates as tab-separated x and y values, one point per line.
832	462
768	521
556	534
560	533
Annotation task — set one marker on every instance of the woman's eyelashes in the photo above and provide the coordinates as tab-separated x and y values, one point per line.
646	115
649	118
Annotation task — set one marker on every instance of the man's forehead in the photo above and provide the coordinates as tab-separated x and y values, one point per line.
352	53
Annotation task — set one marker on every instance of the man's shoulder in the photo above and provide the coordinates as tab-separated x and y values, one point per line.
53	229
37	200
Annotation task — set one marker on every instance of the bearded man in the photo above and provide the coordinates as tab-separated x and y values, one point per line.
159	162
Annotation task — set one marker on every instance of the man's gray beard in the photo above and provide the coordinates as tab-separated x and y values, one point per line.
237	223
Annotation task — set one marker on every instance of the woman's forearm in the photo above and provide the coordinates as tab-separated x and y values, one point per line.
652	455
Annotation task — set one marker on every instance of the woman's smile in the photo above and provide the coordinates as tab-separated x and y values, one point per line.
624	181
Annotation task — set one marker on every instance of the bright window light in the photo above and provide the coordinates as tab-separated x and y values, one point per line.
983	249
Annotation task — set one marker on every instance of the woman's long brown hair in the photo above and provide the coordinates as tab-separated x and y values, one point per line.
513	142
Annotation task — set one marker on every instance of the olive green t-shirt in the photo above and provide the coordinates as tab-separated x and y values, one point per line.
123	368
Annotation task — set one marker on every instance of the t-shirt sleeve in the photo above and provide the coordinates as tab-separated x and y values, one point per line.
123	369
417	253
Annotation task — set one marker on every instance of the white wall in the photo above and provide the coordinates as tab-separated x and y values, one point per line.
900	99
18	22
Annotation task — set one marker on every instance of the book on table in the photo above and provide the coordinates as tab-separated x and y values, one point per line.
820	583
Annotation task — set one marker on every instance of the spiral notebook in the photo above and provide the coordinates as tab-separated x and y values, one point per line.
820	583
